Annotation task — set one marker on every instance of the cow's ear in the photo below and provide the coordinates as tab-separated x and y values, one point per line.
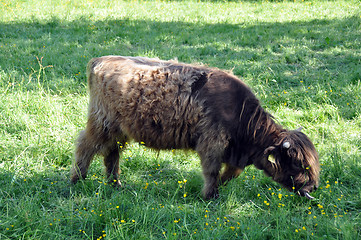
269	150
272	159
269	153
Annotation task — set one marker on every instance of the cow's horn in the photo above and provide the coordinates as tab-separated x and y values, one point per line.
286	145
299	129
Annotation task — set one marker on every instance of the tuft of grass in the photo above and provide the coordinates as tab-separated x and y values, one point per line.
302	59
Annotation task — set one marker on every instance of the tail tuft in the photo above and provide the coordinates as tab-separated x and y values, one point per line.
90	70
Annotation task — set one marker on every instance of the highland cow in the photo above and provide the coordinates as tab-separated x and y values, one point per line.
171	105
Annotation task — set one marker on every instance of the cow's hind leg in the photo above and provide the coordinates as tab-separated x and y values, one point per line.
229	173
93	140
111	161
84	153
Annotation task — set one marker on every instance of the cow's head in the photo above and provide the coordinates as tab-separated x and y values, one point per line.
293	162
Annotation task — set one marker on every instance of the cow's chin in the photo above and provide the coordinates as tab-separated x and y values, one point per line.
303	191
306	194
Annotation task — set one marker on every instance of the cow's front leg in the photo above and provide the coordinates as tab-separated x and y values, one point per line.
211	168
229	173
210	189
210	148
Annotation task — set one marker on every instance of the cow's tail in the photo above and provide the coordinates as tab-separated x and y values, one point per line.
93	64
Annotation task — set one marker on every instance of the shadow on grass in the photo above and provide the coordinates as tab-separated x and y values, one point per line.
275	56
164	184
91	206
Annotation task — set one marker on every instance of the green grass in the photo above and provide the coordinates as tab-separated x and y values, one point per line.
302	59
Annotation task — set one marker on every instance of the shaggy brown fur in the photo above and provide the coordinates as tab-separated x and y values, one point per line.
167	105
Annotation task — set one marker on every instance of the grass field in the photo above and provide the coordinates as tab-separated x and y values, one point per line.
301	58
